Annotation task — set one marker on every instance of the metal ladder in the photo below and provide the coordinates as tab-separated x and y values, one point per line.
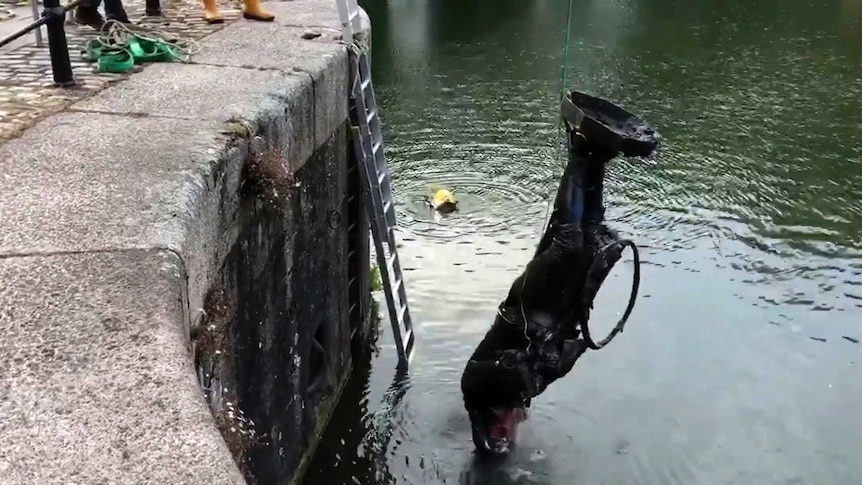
368	144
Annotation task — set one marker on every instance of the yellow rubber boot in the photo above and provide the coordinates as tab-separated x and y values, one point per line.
443	201
211	13
252	10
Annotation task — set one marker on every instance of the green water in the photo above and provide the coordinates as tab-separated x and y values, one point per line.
739	365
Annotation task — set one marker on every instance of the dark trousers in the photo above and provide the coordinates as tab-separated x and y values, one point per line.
113	8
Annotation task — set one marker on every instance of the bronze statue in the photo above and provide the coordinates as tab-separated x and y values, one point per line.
541	328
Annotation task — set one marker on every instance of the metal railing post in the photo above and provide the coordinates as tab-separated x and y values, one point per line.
61	65
39	41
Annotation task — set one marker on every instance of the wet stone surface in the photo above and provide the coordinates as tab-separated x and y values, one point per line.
27	93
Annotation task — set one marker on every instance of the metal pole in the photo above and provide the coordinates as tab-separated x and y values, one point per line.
61	65
39	41
21	33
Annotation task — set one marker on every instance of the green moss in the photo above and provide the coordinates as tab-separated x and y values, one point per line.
239	128
268	175
375	280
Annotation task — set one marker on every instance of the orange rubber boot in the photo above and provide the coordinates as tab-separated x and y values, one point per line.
211	13
252	10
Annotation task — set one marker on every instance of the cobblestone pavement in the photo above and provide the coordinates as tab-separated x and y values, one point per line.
26	91
8	7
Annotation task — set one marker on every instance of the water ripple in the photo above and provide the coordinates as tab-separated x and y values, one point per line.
744	343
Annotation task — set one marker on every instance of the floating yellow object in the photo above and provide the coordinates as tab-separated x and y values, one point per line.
443	201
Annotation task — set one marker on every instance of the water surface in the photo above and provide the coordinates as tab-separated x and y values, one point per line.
740	364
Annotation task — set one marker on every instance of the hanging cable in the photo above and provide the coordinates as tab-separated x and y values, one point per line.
564	68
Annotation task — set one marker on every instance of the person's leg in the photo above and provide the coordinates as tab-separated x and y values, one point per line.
114	11
87	13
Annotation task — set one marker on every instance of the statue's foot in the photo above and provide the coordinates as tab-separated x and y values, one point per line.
252	10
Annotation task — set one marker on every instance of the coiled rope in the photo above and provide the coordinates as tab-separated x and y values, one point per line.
119	46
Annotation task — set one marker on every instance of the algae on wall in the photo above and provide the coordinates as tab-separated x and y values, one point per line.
274	346
376	283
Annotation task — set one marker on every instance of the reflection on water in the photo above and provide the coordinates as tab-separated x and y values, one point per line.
741	361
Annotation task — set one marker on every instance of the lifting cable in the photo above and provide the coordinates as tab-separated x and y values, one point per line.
601	254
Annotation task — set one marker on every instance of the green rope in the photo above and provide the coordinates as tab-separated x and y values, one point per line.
119	47
563	74
566	52
563	154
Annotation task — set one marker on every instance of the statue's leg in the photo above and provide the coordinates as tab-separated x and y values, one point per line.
567	202
579	195
211	12
593	177
252	10
597	236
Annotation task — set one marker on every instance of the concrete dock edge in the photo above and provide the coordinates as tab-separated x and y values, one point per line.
116	218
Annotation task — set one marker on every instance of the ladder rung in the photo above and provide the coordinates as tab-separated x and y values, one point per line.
371	159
